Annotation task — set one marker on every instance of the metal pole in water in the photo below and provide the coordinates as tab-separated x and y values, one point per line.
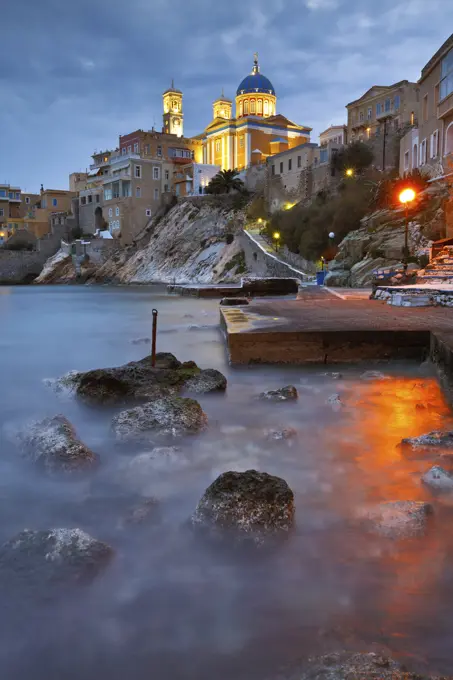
153	345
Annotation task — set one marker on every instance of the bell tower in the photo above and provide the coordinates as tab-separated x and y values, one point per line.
173	113
222	107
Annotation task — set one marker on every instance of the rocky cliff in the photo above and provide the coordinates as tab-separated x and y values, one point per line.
380	241
196	241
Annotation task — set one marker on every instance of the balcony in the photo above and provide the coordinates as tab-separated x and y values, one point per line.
124	157
124	174
387	113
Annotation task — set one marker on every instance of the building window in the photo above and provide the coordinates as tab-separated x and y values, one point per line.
110	212
97	198
90	198
290	164
241	141
129	149
138	171
124	151
156	194
148	212
281	168
406	161
217	145
425	108
17	195
397	102
126	189
273	170
423	152
83	200
446	83
107	194
146	149
159	151
155	173
241	109
138	192
266	107
260	107
166	187
27	200
167	175
378	109
117	211
3	193
369	113
44	203
252	106
136	147
2	212
435	144
361	116
246	107
299	161
387	105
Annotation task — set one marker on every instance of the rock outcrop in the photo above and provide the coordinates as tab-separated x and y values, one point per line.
399	519
438	480
139	380
53	446
172	416
41	558
437	438
354	666
247	506
288	393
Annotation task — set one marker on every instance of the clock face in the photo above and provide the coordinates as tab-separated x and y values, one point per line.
176	122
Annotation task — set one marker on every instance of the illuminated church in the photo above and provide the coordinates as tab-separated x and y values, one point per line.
256	132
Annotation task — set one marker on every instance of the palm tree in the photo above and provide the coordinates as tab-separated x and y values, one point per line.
224	182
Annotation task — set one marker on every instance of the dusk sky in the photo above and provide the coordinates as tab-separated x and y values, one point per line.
76	75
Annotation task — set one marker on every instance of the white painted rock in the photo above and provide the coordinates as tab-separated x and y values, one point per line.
399	519
435	438
438	480
373	375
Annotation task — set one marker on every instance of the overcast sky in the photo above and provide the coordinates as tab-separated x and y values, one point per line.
75	75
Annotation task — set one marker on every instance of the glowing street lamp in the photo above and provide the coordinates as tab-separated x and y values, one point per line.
349	172
276	237
406	197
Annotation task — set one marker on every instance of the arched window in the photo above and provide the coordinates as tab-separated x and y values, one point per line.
266	107
246	107
449	139
252	106
241	109
415	156
260	107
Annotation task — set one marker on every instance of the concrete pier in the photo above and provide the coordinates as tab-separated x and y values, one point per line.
321	327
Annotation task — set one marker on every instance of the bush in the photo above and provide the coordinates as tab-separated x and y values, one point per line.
229	238
19	245
357	155
258	209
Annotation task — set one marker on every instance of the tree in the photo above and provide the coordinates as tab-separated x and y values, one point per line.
357	156
224	182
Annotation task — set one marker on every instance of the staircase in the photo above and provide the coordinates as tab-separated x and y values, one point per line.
440	269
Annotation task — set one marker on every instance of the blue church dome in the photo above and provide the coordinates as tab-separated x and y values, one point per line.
255	82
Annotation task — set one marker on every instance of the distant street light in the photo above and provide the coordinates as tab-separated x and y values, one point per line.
349	172
331	235
260	221
406	197
276	236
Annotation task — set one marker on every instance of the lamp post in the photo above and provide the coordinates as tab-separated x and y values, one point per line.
276	236
406	197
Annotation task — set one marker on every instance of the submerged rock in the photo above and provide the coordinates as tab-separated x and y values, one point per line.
150	461
435	438
438	480
353	666
335	402
140	380
39	558
173	416
146	510
67	383
207	380
373	375
399	519
52	445
288	393
281	435
250	506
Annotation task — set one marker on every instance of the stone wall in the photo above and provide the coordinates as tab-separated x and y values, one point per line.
265	264
20	266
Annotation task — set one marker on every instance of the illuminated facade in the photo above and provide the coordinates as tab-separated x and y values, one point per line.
256	132
173	113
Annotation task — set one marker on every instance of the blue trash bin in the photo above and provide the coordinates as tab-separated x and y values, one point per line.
320	276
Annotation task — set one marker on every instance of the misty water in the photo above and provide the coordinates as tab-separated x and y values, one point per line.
170	606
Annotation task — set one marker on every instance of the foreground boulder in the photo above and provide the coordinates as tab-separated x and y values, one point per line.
53	446
399	519
435	438
288	393
168	416
40	558
248	506
438	480
141	381
354	666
